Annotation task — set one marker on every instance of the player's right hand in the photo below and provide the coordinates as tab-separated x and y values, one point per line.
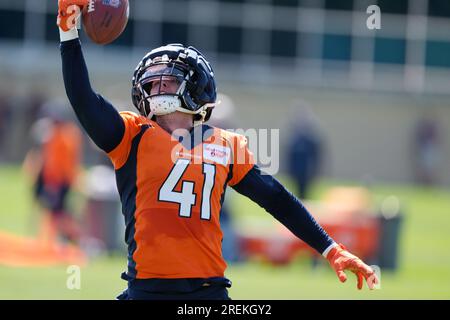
68	11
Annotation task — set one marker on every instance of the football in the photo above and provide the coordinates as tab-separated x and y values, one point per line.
105	20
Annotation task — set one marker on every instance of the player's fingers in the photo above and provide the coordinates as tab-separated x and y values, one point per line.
61	22
372	281
366	270
360	277
375	278
341	275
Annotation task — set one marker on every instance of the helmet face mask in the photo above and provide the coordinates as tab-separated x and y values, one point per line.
174	78
155	82
161	85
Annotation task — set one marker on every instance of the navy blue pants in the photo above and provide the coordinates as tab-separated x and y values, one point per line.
53	199
176	289
207	293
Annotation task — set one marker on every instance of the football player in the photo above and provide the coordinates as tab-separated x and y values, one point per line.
54	164
171	184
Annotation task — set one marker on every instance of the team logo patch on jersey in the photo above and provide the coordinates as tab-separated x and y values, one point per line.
216	153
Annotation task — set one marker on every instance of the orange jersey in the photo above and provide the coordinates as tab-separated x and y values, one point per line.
172	194
61	154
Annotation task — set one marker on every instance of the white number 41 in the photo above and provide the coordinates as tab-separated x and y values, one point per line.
186	198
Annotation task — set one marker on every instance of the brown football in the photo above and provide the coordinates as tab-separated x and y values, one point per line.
105	20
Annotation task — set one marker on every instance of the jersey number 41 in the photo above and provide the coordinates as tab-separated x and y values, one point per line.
186	198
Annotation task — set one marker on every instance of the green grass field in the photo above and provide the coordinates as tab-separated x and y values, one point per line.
424	271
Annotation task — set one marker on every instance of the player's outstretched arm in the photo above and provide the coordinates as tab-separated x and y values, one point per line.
98	117
270	194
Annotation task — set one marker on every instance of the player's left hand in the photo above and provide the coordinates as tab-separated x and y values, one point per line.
68	12
340	260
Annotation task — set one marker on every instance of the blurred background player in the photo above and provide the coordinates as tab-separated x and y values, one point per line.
53	165
305	150
427	149
5	117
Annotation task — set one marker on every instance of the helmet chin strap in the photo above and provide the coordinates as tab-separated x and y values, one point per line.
202	119
167	104
164	104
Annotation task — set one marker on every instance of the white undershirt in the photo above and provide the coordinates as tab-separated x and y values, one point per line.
68	35
327	250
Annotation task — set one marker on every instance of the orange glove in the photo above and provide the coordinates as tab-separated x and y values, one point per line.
68	11
340	259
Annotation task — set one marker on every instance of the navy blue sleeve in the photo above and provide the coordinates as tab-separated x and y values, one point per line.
99	118
271	195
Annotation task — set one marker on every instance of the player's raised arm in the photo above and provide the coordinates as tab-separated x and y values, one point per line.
270	194
98	117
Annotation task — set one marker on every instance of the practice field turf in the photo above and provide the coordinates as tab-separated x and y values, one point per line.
424	271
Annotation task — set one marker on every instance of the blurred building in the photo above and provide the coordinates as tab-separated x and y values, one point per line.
368	87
